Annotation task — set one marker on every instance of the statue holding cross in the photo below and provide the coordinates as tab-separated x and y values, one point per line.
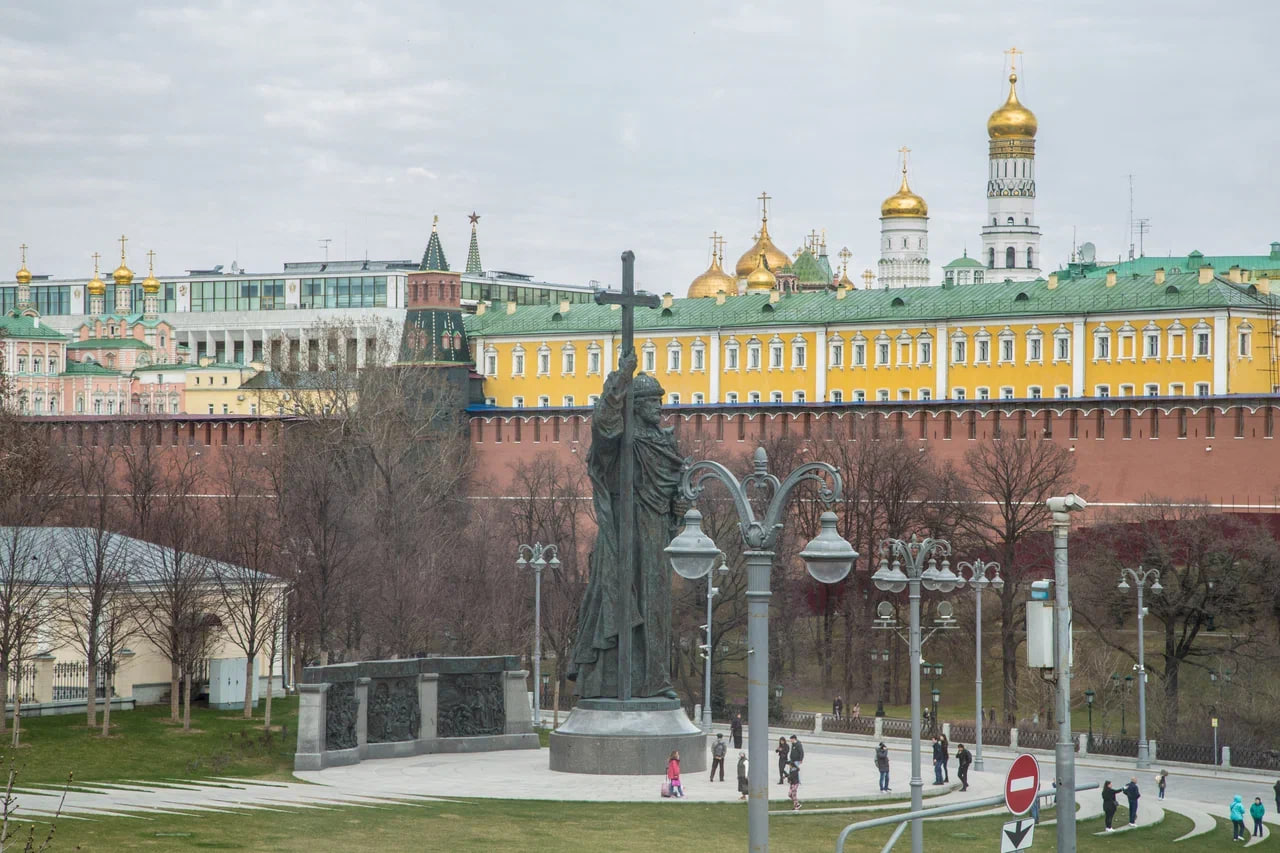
624	623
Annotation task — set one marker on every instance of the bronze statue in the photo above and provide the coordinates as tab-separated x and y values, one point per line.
654	503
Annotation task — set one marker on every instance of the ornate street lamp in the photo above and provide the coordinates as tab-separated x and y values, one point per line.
1088	700
537	557
914	565
978	580
1140	578
828	558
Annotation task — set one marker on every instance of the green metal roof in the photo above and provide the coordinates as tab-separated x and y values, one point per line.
473	251
965	262
221	365
824	264
87	368
20	328
996	301
110	343
159	368
807	270
1190	262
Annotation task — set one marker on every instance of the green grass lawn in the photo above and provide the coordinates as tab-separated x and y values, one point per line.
536	826
144	745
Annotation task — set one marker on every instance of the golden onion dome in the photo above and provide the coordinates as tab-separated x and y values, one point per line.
23	275
904	202
122	275
1013	120
774	258
151	284
845	281
760	279
96	287
714	281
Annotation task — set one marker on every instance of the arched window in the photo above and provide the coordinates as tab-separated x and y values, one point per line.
904	242
1010	220
994	221
445	339
1009	258
991	259
457	340
1030	259
1026	220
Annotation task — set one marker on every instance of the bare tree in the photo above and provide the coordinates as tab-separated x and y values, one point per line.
1211	565
1013	478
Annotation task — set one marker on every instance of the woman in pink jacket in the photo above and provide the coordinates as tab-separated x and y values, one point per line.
673	774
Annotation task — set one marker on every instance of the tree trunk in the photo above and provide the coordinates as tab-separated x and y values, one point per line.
266	709
107	682
4	694
186	703
248	686
91	696
1009	660
174	673
827	642
17	717
1171	672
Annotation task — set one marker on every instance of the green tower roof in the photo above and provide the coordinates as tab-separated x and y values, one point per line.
808	270
473	252
433	258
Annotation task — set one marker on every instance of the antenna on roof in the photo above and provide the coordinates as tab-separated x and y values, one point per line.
1144	225
324	244
1130	216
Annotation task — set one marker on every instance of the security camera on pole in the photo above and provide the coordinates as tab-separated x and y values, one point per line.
1065	753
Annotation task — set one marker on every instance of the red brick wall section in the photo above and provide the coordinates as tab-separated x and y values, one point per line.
1221	450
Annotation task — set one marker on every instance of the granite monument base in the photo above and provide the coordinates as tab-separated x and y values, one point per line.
633	738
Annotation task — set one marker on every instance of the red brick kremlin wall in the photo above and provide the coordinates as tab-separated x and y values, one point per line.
1222	450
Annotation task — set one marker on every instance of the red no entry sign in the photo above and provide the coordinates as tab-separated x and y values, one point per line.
1022	784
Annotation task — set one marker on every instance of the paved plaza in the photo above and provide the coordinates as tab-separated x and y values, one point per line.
837	768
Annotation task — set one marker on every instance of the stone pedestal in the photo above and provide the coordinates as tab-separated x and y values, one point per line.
311	727
635	738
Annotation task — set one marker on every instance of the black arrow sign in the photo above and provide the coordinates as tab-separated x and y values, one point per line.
1016	835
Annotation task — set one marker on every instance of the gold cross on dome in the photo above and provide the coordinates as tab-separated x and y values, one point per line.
719	241
904	151
96	257
123	240
868	276
151	260
23	250
764	204
845	255
1012	53
813	240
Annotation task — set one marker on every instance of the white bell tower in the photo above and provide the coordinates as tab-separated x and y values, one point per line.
1011	236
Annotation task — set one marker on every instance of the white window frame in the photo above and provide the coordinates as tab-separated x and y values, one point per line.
649	358
1244	341
731	353
1034	392
1128	390
1061	346
1178	341
1008	346
959	349
753	396
673	398
1102	345
799	353
884	351
926	394
776	354
904	347
860	396
490	361
1127	341
1102	391
1006	392
697	357
1203	389
1035	348
983	393
1176	389
882	395
957	393
567	401
982	348
698	398
731	398
775	397
835	352
1203	341
798	397
754	354
544	360
568	360
924	349
836	395
1062	392
675	356
860	353
593	360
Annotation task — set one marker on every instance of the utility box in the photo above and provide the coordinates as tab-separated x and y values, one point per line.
1040	636
226	683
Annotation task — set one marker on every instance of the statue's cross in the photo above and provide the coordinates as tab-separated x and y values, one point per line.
629	300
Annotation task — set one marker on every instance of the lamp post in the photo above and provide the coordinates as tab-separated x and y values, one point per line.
1064	750
1219	677
712	592
932	671
1088	700
537	557
1140	577
978	580
937	697
828	558
920	559
881	656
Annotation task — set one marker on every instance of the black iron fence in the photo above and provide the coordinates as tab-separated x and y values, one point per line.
1111	745
70	681
1258	759
1037	739
849	725
1194	753
801	720
896	728
23	688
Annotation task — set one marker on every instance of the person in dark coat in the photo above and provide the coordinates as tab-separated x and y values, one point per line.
1108	804
882	764
718	750
1131	794
784	755
937	760
742	775
1277	787
963	759
946	758
735	731
797	751
793	792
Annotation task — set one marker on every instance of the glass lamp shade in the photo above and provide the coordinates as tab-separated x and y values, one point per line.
890	579
946	579
937	670
828	556
554	563
777	691
997	583
692	552
521	562
1088	696
1123	585
937	696
1156	587
930	575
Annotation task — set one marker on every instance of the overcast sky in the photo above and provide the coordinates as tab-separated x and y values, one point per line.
249	130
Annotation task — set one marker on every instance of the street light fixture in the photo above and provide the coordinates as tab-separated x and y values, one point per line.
1088	700
920	560
978	580
538	554
1140	578
828	558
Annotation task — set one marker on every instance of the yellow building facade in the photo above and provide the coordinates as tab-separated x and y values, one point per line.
1190	334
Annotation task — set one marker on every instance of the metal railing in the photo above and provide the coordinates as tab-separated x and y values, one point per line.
1258	759
897	728
849	725
70	681
802	720
1193	753
1110	745
24	684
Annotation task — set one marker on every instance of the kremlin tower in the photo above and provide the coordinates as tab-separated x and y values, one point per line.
1010	236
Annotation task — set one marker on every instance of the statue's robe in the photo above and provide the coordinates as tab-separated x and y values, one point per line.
594	665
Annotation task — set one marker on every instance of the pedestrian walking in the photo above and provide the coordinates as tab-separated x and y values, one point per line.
784	755
837	706
963	759
797	751
1131	794
1108	804
857	710
1256	811
937	760
1277	787
793	791
946	758
1161	781
742	775
882	764
718	750
1237	819
735	730
673	774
